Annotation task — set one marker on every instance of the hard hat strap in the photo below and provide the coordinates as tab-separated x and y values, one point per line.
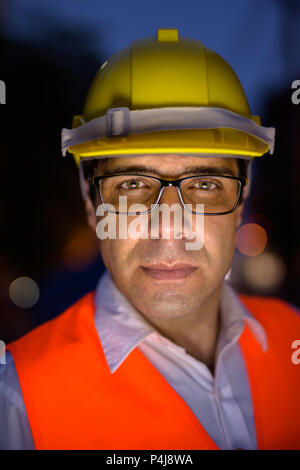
122	121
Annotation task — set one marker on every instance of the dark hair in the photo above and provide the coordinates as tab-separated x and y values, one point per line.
88	168
243	166
243	170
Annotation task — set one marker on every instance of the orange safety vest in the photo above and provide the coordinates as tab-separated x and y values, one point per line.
73	401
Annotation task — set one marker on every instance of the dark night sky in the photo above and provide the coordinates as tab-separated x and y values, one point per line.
257	37
49	53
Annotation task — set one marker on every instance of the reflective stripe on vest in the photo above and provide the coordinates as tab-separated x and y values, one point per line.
73	401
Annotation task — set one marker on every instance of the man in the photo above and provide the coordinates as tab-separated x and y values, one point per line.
164	355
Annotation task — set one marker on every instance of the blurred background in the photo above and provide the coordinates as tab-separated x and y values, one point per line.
49	53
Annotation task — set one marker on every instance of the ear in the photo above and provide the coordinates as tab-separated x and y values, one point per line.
240	210
90	214
89	208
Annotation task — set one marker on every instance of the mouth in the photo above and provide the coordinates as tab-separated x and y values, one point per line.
163	271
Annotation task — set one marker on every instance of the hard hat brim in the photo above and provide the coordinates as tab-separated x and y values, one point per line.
221	141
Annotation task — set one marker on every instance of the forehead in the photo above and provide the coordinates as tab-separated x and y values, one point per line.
171	164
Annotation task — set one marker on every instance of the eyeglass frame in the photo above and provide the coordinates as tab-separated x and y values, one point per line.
94	180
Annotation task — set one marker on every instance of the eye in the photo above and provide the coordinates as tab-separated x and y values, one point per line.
205	185
132	184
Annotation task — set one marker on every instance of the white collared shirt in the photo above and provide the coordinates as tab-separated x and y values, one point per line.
222	403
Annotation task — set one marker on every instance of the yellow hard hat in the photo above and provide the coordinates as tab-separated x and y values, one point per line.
166	95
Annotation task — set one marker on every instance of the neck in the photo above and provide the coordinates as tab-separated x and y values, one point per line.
197	332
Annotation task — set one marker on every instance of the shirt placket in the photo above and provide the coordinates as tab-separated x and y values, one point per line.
224	397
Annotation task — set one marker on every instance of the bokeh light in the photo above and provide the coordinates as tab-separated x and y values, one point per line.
262	220
80	249
264	272
251	239
24	292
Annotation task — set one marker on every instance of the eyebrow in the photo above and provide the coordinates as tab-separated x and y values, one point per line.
191	170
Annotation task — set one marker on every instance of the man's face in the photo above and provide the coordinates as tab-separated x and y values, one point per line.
151	289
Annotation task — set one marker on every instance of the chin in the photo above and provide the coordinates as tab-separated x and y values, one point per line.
167	303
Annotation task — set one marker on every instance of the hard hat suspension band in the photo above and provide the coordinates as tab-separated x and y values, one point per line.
123	121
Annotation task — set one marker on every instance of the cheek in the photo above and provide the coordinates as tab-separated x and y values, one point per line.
115	255
219	237
123	257
119	254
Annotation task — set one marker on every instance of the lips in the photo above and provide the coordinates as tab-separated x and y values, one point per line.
163	271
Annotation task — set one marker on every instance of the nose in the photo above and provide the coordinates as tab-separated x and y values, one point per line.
167	221
169	196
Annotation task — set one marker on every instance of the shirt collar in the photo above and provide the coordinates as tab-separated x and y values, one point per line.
121	327
234	315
